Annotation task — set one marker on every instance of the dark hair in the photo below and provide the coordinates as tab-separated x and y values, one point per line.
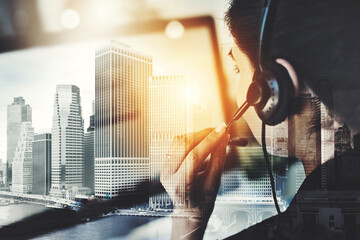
319	38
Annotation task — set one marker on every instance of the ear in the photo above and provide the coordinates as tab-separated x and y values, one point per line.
292	73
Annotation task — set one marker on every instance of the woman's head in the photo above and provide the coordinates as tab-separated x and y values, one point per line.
318	38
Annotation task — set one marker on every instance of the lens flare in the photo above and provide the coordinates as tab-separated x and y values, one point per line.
174	30
70	19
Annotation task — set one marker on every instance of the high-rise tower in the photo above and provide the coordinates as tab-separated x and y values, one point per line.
22	162
170	116
301	139
342	140
41	164
67	157
17	113
327	129
89	156
121	120
357	142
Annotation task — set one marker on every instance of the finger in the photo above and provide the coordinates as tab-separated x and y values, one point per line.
215	169
198	154
192	140
179	148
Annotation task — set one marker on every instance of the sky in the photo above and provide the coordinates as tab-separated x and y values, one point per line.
34	74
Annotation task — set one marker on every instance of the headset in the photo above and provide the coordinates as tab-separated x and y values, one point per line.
274	82
271	92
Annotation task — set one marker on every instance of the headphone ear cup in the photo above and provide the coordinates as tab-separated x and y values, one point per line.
282	94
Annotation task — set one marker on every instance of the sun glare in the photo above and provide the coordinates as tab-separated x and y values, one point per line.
192	94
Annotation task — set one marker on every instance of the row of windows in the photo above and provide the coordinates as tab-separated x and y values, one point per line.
105	53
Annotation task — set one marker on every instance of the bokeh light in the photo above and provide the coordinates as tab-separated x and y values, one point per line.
70	19
174	30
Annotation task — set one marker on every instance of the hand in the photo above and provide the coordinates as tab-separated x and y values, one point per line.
192	181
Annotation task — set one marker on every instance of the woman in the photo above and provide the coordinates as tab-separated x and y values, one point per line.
312	40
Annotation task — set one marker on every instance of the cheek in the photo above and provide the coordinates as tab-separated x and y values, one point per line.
244	83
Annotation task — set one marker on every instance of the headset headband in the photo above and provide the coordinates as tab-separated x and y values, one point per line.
262	32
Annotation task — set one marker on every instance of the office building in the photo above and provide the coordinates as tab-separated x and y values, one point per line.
357	142
280	148
327	129
280	140
67	155
170	116
342	140
302	140
89	155
246	178
17	113
121	120
347	160
41	155
2	174
22	162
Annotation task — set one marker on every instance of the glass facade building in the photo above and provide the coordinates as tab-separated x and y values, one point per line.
298	125
41	155
342	139
245	178
121	120
89	157
170	116
67	157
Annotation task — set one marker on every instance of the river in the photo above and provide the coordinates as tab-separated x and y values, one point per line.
109	227
113	227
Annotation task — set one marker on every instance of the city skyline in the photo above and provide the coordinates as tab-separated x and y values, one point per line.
133	136
37	87
47	130
122	46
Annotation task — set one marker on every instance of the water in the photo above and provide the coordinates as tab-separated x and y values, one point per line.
109	227
15	212
112	227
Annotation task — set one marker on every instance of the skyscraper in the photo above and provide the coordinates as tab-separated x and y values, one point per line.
245	177
342	140
67	157
327	129
2	174
121	120
17	113
170	116
300	139
22	162
357	142
280	143
41	155
89	157
347	160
